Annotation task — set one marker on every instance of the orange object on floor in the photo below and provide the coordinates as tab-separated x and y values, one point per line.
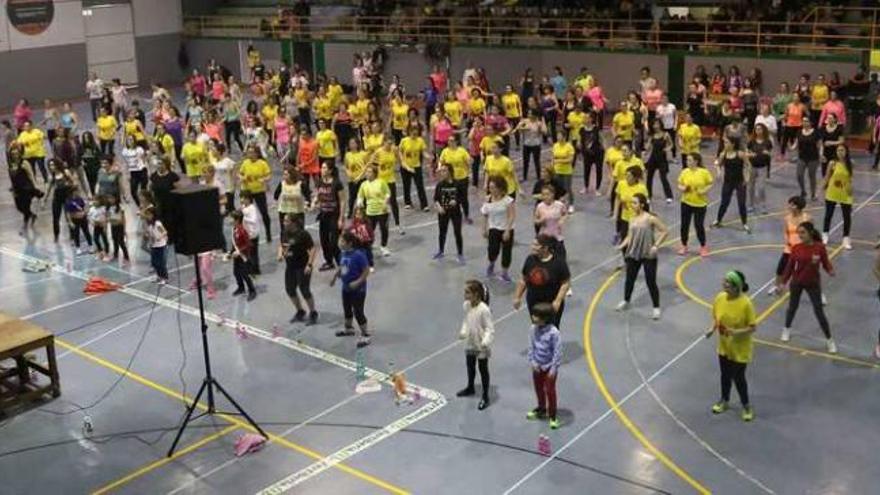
98	285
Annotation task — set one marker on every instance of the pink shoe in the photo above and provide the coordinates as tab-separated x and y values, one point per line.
212	293
704	251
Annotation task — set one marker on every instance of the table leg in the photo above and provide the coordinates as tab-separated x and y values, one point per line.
53	369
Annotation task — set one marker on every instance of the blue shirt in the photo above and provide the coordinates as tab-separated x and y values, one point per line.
352	264
545	348
559	85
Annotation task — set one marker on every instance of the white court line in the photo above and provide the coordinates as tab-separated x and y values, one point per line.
25	284
110	332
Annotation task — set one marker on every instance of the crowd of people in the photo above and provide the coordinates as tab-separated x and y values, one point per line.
340	149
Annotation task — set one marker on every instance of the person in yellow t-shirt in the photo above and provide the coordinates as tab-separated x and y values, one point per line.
500	165
269	112
374	139
385	159
476	105
373	196
694	182
335	92
360	111
512	106
399	118
839	191
323	105
627	188
820	93
254	174
107	126
302	97
194	156
734	320
454	110
328	143
355	165
32	140
623	123
689	136
574	123
618	172
563	165
458	157
489	141
412	151
133	127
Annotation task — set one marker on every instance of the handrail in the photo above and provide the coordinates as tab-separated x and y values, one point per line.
812	37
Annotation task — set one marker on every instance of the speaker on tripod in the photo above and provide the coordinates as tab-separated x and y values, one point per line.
198	228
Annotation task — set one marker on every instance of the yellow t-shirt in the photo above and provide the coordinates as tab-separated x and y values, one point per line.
373	142
253	173
453	110
326	143
625	193
32	141
621	165
399	117
458	158
622	124
355	164
373	194
195	157
324	108
106	127
734	314
502	166
411	151
690	135
476	106
488	142
512	105
133	128
386	161
840	186
819	94
359	111
167	143
563	158
335	94
585	82
697	180
301	96
575	122
269	112
612	155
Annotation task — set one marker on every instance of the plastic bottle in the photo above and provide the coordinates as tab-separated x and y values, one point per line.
544	444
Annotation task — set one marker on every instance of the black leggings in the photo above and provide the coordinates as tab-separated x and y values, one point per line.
260	201
462	185
443	220
664	180
77	225
328	231
58	199
733	372
117	232
241	271
39	164
471	361
632	271
498	244
699	215
815	295
101	243
233	133
137	180
353	307
531	154
727	190
353	188
593	160
382	221
23	205
419	178
107	146
395	208
789	135
830	206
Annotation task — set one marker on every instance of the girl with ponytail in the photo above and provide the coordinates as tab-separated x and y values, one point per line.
477	331
734	320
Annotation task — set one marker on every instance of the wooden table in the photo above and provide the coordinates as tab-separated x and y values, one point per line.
17	338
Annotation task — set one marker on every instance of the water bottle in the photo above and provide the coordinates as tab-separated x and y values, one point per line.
544	444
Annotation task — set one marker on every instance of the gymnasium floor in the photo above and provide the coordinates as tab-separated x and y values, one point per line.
634	393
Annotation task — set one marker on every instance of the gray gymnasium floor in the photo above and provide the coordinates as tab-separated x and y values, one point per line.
634	394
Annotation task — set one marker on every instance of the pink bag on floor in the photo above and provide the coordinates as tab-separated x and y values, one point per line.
248	443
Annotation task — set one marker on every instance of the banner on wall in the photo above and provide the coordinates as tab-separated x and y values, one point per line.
30	17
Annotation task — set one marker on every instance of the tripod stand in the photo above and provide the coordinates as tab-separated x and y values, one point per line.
209	383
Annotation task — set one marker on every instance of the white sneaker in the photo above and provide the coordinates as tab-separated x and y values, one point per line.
569	293
622	305
831	346
824	237
655	314
847	244
570	210
786	335
772	291
400	230
824	300
384	251
669	201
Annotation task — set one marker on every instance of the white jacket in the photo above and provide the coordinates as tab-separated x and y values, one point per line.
477	328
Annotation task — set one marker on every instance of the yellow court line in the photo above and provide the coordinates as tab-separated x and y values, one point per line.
679	281
233	420
615	406
163	461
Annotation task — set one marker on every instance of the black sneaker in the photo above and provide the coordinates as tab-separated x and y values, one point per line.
363	341
238	291
325	267
348	332
251	296
465	392
313	318
484	403
299	316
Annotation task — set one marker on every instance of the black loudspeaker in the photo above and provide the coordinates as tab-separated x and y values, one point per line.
197	224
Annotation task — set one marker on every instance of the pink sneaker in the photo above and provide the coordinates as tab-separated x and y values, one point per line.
212	293
683	250
704	251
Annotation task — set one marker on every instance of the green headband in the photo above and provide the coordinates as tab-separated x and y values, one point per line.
735	279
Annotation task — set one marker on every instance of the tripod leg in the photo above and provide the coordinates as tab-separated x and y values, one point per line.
240	410
186	419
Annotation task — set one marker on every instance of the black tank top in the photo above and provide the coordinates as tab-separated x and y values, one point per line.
733	169
658	151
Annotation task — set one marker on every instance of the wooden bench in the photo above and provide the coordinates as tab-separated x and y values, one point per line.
17	339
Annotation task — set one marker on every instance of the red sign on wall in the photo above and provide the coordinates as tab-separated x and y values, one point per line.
30	16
